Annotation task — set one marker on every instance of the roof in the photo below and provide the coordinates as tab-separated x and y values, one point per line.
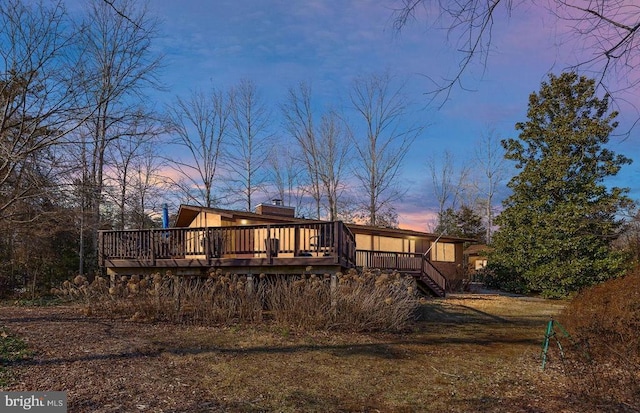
405	232
187	213
477	249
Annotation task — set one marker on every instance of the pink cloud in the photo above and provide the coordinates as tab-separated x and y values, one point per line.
417	220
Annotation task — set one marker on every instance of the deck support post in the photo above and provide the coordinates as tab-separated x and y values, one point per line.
334	292
250	284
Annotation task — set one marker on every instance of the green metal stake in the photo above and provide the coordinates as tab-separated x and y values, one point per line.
545	344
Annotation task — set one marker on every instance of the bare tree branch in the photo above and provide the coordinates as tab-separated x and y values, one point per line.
608	28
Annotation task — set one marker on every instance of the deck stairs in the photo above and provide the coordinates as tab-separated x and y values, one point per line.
428	278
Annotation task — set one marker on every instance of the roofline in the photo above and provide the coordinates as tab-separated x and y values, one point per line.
228	213
373	229
409	232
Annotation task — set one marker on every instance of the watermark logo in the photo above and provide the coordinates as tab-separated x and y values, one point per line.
29	401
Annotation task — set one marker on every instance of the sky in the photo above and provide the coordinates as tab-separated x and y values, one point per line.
279	43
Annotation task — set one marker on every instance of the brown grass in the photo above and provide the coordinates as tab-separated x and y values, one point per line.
467	353
292	353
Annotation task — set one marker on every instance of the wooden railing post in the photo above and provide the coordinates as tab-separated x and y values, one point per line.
101	247
207	243
152	246
338	240
268	246
296	240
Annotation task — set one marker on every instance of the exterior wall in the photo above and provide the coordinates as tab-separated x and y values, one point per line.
255	238
422	245
450	267
206	219
194	242
363	242
369	242
446	256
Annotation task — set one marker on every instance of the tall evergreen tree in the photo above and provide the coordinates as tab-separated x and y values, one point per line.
557	226
464	223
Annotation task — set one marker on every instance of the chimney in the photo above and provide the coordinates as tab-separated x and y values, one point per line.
276	208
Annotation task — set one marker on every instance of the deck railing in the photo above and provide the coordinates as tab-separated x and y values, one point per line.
330	239
402	261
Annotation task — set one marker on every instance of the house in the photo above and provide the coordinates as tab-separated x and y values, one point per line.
476	257
272	240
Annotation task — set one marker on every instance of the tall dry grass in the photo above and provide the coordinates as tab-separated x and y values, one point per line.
358	301
368	301
603	361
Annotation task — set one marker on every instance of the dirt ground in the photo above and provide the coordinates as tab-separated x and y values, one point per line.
469	353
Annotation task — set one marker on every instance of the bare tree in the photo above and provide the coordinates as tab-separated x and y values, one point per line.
333	151
201	126
38	97
324	148
121	156
381	141
299	121
124	158
607	30
450	183
286	174
119	64
149	187
489	157
249	143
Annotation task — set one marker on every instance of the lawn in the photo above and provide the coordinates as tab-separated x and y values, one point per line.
469	352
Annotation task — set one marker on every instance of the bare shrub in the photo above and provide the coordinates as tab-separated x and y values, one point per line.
370	301
375	301
302	303
604	361
218	299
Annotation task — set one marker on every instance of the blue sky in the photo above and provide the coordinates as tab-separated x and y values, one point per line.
278	43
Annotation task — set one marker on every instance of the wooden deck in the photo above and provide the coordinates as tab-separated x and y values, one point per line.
281	248
254	249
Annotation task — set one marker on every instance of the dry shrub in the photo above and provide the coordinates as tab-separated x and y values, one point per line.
218	299
375	301
370	301
604	360
302	303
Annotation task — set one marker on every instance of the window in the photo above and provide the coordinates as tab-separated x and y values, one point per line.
443	251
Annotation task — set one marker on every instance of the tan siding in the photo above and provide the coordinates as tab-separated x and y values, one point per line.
363	242
206	219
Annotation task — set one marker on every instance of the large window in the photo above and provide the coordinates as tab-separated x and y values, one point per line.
443	251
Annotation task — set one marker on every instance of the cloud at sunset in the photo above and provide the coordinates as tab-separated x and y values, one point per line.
327	43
